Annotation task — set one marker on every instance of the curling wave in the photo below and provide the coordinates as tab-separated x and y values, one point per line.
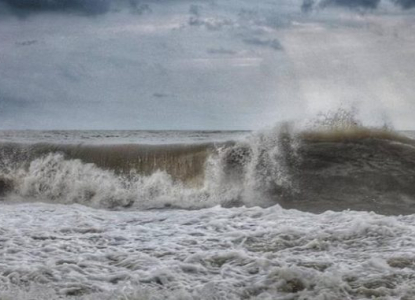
316	170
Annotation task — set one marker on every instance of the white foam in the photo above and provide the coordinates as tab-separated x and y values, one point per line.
51	251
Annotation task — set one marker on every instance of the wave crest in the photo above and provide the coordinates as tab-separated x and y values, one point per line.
349	167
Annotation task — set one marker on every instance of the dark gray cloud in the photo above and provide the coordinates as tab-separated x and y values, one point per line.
221	50
139	8
213	24
26	43
309	5
405	4
271	43
163	95
87	7
84	6
358	4
194	10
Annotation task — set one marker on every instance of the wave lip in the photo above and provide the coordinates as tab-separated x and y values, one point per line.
355	133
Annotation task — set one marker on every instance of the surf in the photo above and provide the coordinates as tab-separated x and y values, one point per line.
336	167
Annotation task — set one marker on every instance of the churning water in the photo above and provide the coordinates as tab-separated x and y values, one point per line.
278	214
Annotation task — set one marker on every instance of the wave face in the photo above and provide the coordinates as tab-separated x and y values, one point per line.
350	168
103	175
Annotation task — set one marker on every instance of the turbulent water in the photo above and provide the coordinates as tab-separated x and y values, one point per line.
277	214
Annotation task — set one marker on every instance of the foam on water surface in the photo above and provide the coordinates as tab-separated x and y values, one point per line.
77	252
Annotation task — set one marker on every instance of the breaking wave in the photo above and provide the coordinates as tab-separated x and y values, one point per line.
347	166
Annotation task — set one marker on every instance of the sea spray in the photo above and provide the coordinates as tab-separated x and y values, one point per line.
342	165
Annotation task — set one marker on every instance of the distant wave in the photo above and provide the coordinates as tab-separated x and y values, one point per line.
348	167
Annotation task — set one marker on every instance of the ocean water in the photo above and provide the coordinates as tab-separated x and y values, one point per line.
276	214
154	137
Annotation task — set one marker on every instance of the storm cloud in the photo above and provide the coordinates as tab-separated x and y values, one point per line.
366	4
405	4
85	7
309	5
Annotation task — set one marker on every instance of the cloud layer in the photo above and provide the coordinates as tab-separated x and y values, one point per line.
309	5
98	7
405	4
85	7
236	64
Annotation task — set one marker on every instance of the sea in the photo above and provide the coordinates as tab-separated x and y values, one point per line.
273	214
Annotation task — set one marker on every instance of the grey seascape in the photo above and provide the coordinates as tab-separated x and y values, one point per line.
207	150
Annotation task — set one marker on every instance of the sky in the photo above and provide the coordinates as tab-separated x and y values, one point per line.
203	64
